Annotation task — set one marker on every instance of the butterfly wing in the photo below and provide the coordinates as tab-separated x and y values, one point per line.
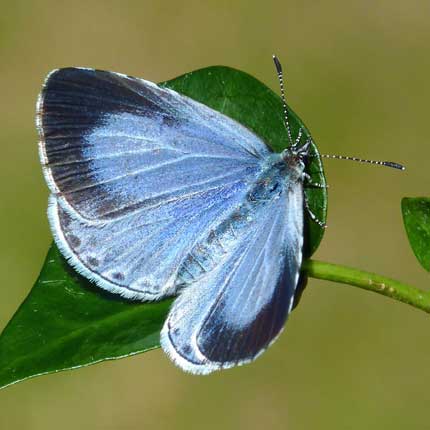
138	175
112	144
233	314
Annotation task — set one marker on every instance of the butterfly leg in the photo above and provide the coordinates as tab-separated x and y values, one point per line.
313	184
314	218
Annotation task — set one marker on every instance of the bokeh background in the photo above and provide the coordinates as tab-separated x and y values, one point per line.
358	75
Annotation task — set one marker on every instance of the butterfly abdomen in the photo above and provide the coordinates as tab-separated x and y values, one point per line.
223	239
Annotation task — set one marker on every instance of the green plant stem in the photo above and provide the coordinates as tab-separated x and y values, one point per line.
369	281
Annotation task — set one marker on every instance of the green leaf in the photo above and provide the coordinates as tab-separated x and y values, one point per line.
66	322
416	217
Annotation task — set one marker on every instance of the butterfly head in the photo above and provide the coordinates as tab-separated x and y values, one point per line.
295	158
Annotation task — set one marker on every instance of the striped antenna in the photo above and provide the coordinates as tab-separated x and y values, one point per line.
295	144
281	84
360	160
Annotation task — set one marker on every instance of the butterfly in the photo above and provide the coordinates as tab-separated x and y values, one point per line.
156	195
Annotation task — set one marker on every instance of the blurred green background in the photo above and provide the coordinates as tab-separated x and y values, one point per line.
357	74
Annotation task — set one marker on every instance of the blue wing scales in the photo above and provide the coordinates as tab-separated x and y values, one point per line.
111	144
138	175
233	314
138	256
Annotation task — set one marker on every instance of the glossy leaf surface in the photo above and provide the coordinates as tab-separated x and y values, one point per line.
416	217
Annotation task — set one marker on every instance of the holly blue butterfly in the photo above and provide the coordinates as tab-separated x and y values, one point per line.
155	195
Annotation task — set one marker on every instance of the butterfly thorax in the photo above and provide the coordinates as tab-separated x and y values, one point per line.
279	176
293	160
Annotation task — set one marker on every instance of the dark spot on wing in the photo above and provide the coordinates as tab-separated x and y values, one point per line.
73	240
93	261
118	276
65	221
187	349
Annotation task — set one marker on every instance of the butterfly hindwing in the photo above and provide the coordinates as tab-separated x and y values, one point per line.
138	256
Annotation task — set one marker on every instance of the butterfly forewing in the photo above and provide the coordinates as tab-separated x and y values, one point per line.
234	313
112	145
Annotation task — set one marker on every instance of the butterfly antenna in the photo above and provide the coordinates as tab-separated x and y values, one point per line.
281	84
360	160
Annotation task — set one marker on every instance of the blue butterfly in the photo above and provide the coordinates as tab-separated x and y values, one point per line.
154	195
